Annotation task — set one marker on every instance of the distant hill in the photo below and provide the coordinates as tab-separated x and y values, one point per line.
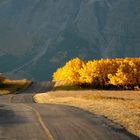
38	36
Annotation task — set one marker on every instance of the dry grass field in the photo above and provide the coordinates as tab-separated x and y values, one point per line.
122	107
13	86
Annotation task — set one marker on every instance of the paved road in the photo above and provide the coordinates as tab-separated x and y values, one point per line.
22	119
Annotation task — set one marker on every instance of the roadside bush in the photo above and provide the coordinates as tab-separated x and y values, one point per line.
117	72
70	72
2	78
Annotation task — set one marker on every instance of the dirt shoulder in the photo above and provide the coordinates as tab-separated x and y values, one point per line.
122	107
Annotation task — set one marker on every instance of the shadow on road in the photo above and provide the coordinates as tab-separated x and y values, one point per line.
9	117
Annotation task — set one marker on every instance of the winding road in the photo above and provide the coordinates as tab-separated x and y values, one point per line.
22	119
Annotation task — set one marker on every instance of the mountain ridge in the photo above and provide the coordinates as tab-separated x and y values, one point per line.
38	36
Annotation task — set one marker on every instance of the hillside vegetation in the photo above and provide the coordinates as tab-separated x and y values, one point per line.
117	72
8	86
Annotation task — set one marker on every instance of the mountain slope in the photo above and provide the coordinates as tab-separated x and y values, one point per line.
37	36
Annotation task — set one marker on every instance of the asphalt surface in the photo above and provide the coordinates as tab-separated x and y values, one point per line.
22	119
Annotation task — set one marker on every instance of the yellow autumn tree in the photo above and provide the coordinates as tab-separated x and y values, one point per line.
96	72
102	72
126	74
88	73
70	72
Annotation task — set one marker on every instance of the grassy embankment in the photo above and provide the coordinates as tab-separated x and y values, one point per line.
122	107
13	86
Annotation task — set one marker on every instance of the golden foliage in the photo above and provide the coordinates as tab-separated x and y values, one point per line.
70	72
101	72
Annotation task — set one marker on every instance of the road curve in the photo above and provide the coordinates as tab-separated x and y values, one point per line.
22	119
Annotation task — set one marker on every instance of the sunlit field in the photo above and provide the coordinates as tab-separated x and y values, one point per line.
122	107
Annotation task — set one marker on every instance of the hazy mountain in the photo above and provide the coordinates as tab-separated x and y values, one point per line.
38	36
